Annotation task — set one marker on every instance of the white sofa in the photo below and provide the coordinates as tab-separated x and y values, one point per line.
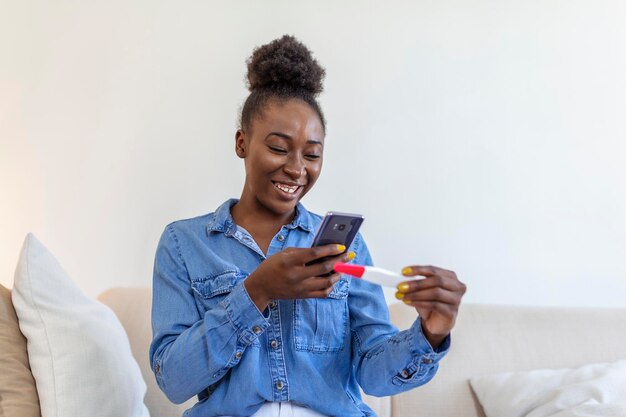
486	339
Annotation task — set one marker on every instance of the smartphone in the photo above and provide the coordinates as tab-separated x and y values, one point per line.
339	228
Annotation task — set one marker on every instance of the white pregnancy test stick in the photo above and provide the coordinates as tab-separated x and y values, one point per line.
373	274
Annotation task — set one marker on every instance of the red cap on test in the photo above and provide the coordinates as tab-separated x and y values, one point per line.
349	269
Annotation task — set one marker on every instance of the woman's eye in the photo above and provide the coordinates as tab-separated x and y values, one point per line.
277	149
312	156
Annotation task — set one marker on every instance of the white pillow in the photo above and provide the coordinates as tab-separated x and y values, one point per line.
79	353
597	390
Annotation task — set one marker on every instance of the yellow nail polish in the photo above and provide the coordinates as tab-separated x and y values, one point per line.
399	295
341	248
407	270
403	287
351	256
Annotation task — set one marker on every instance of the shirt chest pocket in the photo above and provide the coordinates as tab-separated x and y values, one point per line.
321	324
210	289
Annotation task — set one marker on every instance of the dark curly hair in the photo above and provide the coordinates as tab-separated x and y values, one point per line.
281	70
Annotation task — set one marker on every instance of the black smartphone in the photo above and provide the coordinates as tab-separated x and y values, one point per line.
339	228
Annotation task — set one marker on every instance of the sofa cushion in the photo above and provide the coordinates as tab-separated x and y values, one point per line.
78	350
590	390
18	394
133	308
505	338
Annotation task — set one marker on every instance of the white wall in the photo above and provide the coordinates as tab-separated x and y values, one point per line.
486	136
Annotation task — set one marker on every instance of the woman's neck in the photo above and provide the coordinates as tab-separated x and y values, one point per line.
261	223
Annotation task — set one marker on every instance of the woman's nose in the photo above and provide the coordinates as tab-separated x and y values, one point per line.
295	167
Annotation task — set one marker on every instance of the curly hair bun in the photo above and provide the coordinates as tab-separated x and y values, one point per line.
285	65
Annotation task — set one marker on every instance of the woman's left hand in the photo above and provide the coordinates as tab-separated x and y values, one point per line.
436	298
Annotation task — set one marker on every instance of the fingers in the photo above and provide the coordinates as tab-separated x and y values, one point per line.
435	277
320	287
317	252
440	286
316	287
326	266
431	295
291	277
435	281
332	253
425	270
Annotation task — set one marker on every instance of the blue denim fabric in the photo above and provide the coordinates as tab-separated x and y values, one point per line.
211	340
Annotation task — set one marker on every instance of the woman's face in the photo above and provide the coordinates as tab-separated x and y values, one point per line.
283	152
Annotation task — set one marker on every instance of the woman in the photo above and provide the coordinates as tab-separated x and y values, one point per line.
242	320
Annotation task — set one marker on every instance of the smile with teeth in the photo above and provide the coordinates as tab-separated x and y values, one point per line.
289	189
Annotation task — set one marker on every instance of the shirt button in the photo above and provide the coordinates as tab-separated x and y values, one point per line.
256	329
272	304
238	355
427	361
405	373
280	385
274	344
281	238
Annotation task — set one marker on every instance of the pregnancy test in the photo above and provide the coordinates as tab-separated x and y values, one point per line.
373	274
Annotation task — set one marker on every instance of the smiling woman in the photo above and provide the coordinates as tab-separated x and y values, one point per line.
281	138
242	317
283	157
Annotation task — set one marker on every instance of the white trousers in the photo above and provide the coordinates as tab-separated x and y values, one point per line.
285	410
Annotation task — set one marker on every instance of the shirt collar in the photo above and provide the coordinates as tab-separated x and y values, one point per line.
222	220
302	219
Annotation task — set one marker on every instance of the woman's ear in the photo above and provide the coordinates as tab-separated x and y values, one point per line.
240	143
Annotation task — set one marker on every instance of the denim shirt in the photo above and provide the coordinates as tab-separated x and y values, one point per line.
211	340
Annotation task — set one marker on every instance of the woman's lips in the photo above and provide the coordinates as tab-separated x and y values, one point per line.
289	189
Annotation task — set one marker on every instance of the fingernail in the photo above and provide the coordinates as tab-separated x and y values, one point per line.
406	271
351	256
399	295
403	287
406	301
341	248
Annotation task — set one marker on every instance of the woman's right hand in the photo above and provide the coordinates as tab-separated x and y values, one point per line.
288	274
